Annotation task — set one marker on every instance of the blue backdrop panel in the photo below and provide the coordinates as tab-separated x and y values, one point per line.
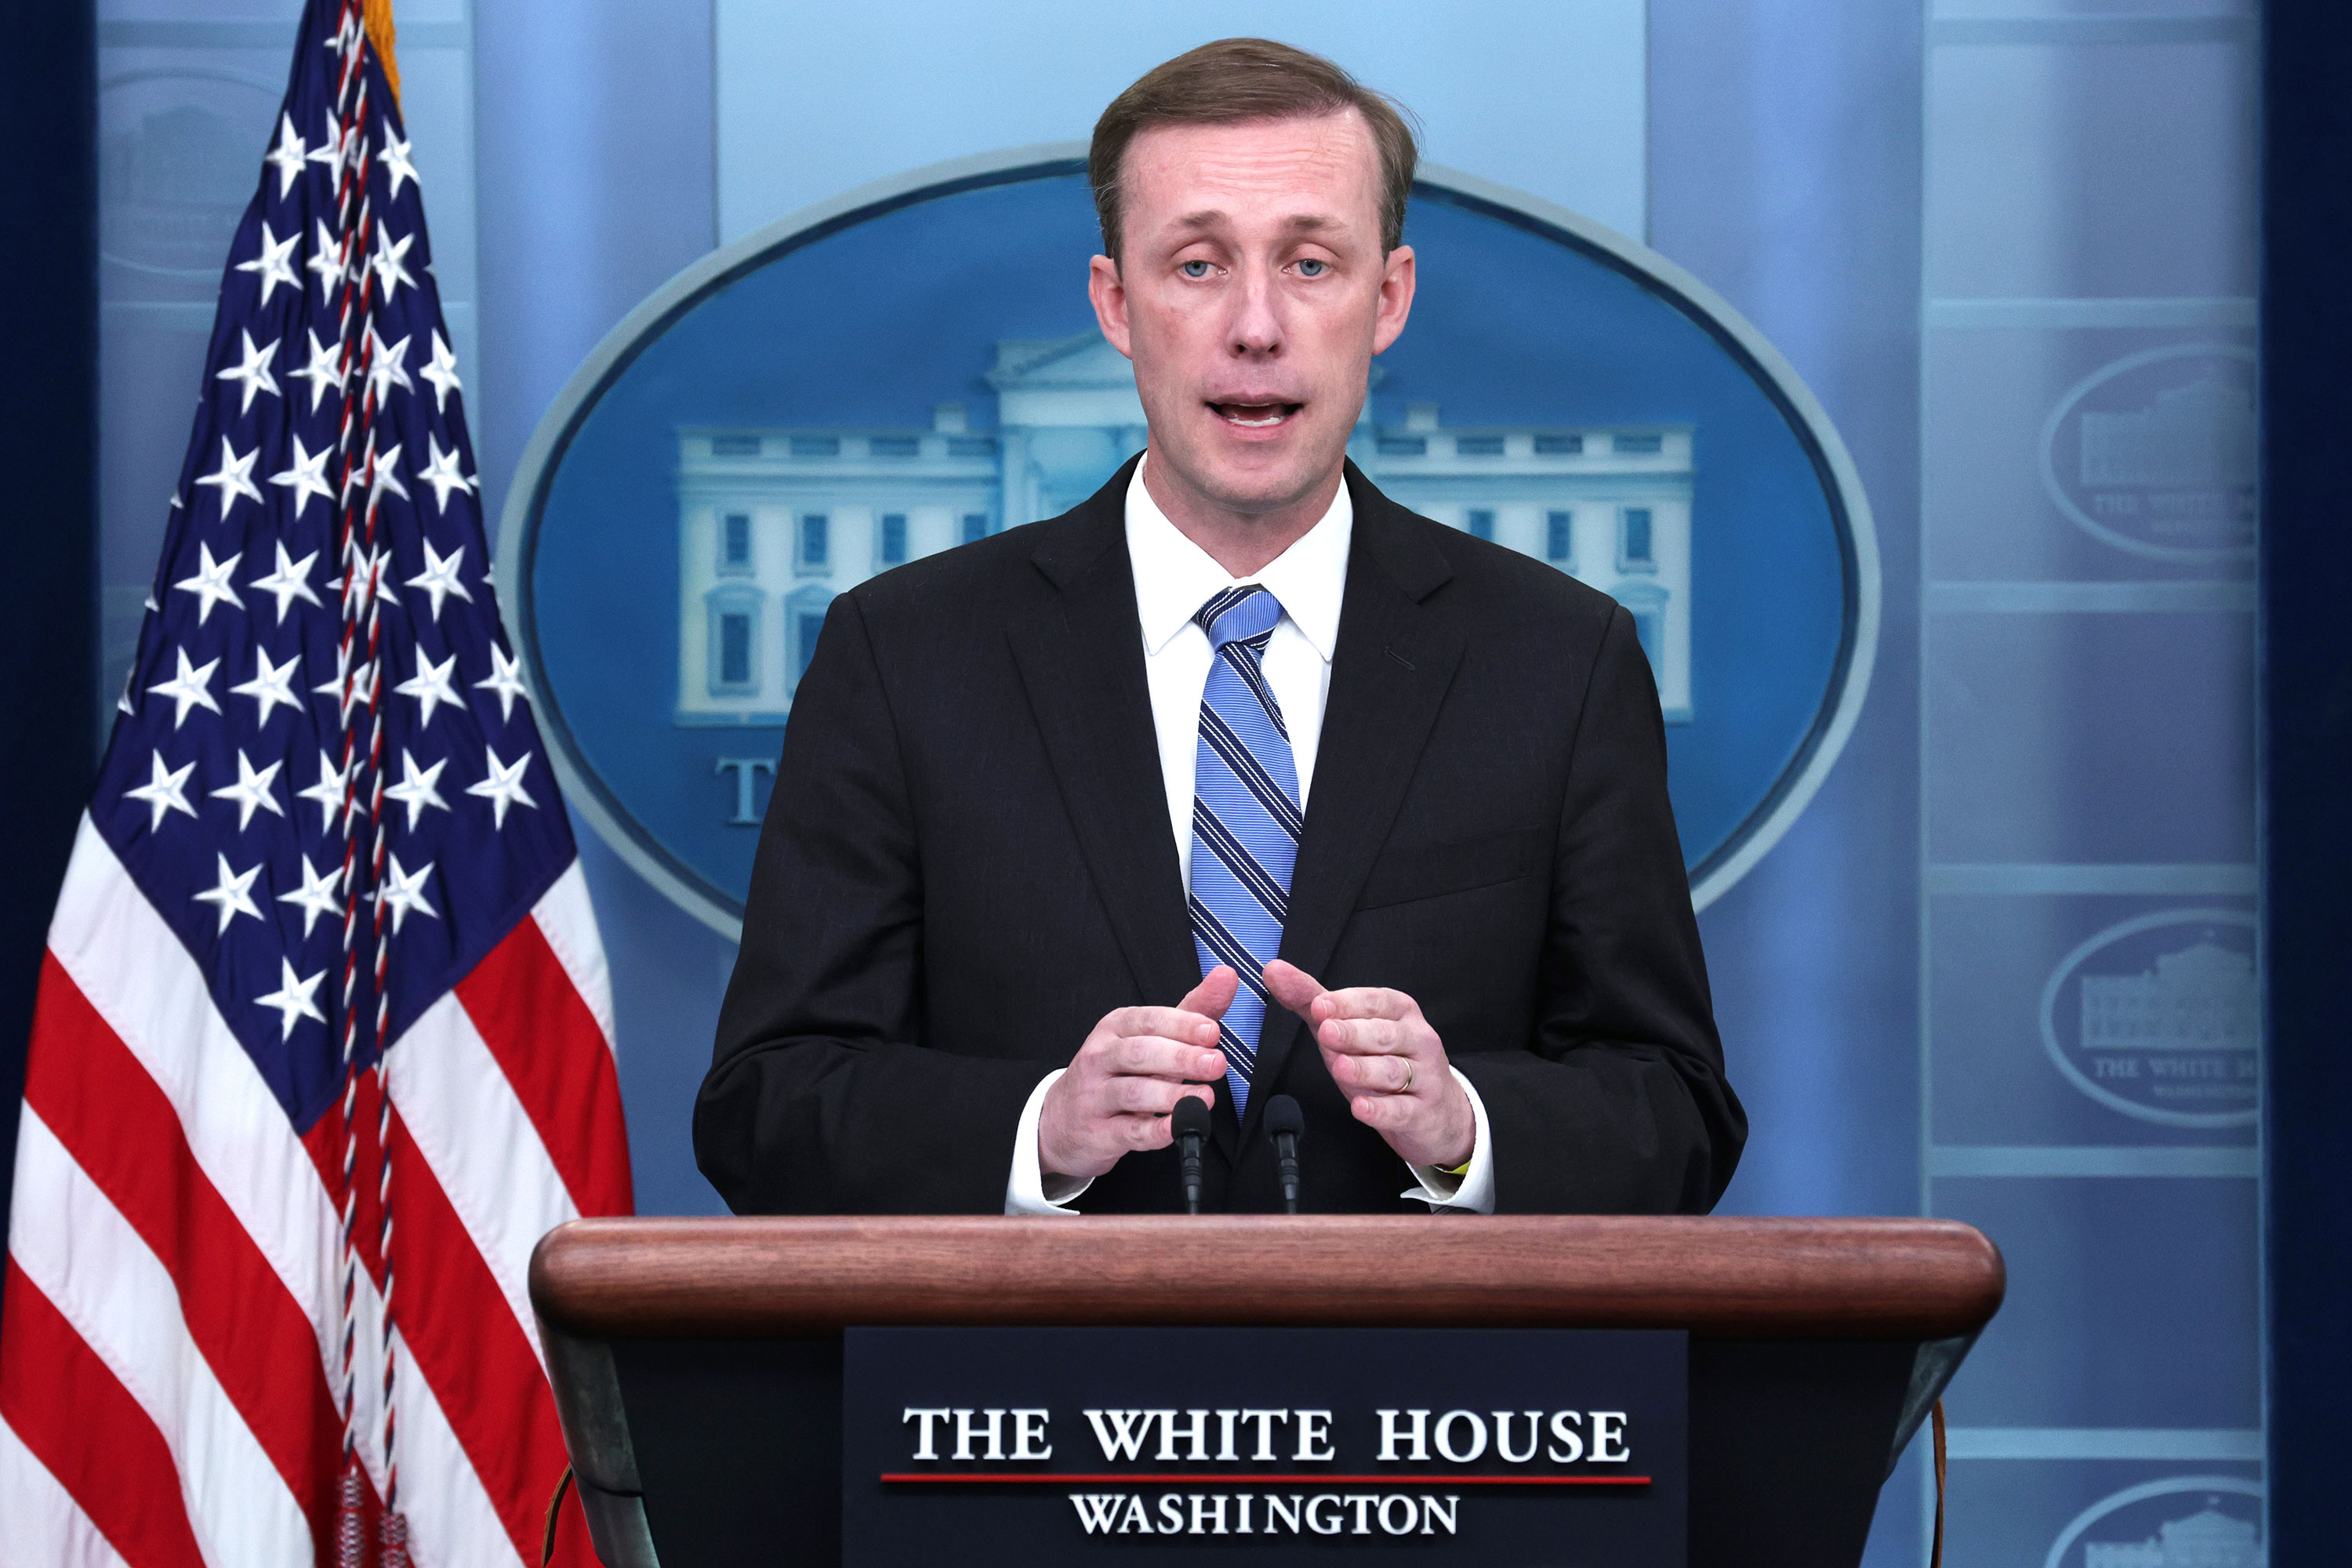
2090	1030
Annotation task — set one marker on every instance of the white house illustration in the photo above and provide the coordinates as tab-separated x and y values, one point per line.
2200	436
2209	1539
773	522
2199	999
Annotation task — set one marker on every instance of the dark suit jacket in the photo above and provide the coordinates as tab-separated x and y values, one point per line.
966	862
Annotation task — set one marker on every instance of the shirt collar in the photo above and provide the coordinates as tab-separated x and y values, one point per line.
1174	576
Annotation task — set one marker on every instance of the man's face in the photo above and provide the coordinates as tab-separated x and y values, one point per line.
1251	294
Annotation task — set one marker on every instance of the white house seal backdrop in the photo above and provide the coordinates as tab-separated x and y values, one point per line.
915	365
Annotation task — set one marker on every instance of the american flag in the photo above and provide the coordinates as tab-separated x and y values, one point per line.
325	1037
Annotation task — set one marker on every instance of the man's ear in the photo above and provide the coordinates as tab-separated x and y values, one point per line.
1396	297
1110	297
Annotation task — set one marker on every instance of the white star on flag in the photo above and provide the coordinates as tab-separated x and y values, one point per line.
439	579
251	792
396	165
416	789
351	688
165	790
390	263
384	473
191	688
327	261
441	472
286	157
505	679
234	478
290	579
234	894
370	574
333	146
504	787
324	373
386	368
361	692
305	477
253	374
327	792
333	686
293	999
211	585
405	890
442	373
272	684
271	262
315	895
430	687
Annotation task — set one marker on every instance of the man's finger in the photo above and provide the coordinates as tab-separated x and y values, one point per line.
1365	1037
1149	1096
1213	994
1157	1056
1144	1131
1374	1074
1370	1002
1293	987
1172	1023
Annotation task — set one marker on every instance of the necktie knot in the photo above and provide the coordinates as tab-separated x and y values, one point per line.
1239	614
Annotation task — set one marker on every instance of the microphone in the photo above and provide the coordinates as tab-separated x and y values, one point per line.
1286	1122
1191	1121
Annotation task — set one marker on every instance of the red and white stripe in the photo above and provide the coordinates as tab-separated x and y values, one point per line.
172	1311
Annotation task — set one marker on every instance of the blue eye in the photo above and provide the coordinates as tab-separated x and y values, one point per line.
1193	268
1313	267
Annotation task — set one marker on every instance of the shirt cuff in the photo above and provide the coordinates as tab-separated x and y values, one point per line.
1024	1190
1472	1190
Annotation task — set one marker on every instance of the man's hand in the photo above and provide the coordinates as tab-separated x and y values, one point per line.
1388	1061
1134	1068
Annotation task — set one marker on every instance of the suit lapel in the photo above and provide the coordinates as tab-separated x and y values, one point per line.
1081	658
1390	672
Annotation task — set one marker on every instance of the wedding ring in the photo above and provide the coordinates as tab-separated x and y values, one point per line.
1408	1080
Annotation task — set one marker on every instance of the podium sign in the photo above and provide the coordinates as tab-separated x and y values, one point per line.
840	1389
1020	1446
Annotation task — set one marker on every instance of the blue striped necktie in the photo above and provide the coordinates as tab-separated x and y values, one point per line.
1245	818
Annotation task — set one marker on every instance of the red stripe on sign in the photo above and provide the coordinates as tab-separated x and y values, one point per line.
122	1130
1032	1478
526	1010
85	1426
457	1325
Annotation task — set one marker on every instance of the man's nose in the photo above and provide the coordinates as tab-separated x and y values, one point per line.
1256	330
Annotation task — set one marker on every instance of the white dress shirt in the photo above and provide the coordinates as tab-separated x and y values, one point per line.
1173	578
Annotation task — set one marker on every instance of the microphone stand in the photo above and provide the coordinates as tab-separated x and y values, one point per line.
1191	1121
1286	1122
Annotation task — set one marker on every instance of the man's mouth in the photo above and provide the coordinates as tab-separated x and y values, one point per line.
1254	416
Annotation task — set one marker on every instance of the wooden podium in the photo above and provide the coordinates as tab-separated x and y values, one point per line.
697	1363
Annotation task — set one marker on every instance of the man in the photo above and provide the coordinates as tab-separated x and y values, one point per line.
1237	781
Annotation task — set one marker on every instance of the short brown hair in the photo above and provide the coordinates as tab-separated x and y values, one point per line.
1236	79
